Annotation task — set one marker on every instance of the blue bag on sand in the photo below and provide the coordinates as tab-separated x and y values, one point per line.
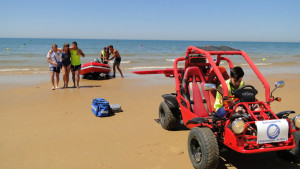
100	107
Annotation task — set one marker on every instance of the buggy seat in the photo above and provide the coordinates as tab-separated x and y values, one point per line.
192	89
212	78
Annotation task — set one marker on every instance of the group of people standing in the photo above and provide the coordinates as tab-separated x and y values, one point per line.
68	59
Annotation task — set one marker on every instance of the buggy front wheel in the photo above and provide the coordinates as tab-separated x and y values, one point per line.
203	148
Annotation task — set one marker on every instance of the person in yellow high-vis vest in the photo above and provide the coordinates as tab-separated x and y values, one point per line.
104	56
234	82
75	63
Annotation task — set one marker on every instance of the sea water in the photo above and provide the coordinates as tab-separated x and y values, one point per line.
28	56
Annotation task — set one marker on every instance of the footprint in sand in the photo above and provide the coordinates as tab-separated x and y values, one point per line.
180	153
68	113
176	150
103	166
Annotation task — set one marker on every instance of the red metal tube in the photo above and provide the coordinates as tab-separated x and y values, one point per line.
176	73
213	65
259	75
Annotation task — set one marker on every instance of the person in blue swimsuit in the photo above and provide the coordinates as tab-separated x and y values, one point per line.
66	63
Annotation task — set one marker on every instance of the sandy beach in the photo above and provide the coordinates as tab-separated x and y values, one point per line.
45	126
45	129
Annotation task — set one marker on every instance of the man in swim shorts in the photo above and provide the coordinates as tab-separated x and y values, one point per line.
75	63
117	61
53	58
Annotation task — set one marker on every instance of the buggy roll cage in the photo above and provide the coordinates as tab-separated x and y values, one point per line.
207	53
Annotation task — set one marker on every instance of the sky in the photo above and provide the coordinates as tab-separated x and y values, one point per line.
209	20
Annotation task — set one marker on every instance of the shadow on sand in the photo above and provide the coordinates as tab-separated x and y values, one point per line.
88	86
112	113
231	158
180	128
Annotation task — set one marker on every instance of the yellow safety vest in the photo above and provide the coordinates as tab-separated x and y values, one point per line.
219	103
75	58
104	55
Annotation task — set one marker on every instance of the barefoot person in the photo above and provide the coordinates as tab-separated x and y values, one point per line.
53	58
117	61
66	63
75	62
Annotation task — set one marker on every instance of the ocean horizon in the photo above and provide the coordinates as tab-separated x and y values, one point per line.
153	39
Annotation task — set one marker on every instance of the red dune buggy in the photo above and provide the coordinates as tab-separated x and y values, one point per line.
254	131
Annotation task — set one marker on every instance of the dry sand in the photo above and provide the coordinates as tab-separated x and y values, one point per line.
44	129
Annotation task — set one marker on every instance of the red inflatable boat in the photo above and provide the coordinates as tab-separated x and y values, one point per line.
94	68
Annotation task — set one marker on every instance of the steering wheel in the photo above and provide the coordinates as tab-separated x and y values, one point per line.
251	87
246	93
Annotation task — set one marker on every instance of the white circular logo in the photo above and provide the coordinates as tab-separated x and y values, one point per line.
273	131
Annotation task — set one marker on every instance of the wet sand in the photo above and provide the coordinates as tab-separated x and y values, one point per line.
41	128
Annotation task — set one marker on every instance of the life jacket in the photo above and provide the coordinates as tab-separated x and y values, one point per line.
104	54
75	57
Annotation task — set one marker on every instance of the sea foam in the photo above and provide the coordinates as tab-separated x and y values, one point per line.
11	70
170	60
150	67
258	64
125	62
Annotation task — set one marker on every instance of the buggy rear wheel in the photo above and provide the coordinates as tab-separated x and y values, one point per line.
169	120
203	148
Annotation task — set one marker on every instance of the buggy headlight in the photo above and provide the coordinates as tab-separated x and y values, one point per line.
238	126
296	121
